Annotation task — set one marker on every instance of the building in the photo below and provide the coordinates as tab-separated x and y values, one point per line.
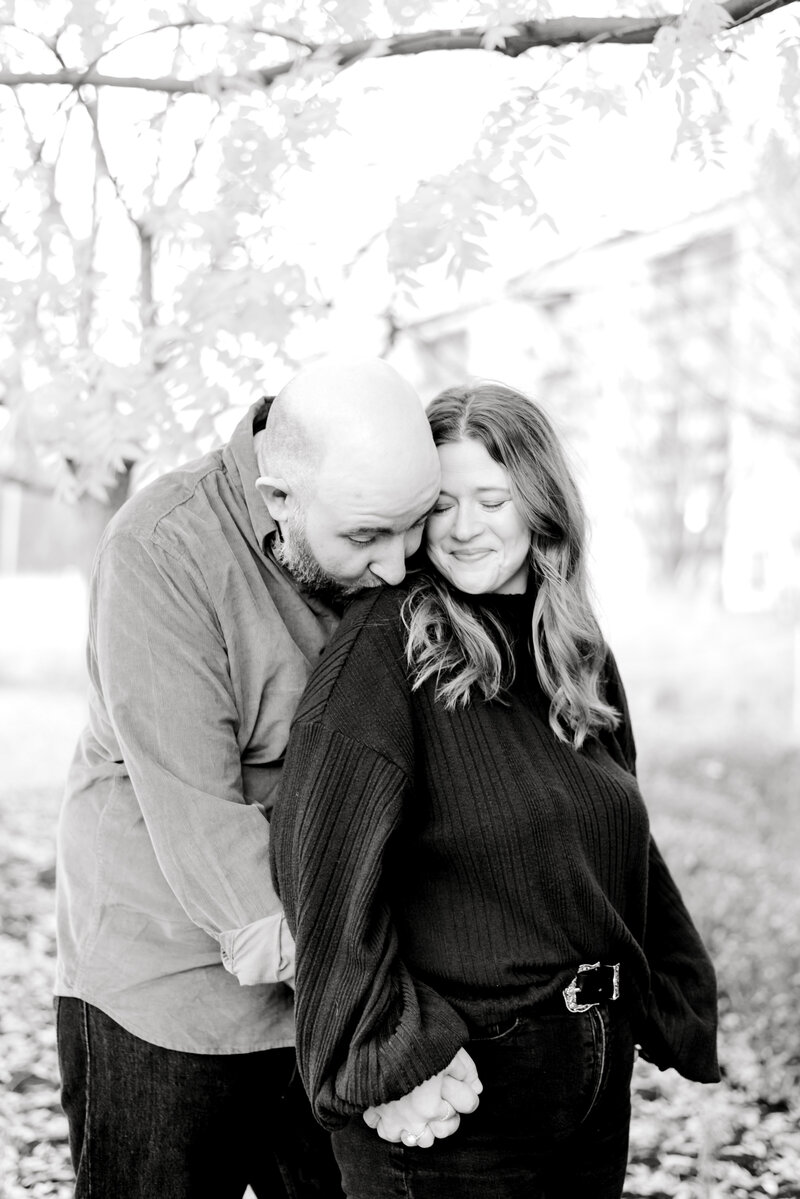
671	361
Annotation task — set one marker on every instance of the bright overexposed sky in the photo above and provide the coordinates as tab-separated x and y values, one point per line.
403	120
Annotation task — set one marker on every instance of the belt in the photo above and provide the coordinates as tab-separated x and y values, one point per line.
593	984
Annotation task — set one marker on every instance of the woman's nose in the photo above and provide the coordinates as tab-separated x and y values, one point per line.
466	523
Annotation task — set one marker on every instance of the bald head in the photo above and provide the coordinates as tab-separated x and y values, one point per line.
348	460
358	410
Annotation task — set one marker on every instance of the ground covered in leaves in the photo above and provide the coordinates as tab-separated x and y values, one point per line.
732	832
728	822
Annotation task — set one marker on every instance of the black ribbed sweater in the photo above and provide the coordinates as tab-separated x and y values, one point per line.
438	867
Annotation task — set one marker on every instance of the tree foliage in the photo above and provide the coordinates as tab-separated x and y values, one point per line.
151	266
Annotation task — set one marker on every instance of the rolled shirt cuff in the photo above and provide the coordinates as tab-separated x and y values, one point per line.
261	952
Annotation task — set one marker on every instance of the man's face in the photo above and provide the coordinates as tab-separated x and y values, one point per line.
295	554
348	535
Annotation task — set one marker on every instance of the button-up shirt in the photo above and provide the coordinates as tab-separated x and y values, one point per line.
199	649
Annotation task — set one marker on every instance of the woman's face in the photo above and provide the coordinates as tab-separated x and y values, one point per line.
476	536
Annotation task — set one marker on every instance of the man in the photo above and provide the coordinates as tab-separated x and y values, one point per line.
213	593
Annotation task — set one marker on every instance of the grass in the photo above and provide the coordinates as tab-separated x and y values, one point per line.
711	697
712	701
730	829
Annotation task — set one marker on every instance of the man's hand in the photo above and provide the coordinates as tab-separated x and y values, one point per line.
433	1109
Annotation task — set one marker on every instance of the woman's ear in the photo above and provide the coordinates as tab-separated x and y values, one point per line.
274	491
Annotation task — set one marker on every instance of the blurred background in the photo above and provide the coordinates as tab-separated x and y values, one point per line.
601	210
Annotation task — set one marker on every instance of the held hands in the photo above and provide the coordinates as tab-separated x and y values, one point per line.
433	1109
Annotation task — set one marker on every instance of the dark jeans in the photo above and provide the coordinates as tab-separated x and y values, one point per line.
552	1122
152	1123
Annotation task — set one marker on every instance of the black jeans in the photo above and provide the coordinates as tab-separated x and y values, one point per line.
152	1123
552	1122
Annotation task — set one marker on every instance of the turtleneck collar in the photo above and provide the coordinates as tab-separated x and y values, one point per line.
511	609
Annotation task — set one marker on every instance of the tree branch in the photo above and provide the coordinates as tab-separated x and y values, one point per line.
203	85
37	37
191	171
90	108
526	35
192	23
773	421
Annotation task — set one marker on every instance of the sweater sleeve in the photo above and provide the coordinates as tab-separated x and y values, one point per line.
680	1022
367	1030
680	1025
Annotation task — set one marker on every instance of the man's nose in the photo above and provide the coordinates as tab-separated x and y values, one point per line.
390	566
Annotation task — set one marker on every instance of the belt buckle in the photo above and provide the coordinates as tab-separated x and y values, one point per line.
570	992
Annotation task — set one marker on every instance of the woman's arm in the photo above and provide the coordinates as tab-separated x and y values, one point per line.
681	1025
680	1029
367	1031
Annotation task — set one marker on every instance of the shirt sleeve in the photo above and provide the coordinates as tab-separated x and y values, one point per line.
367	1030
261	952
158	659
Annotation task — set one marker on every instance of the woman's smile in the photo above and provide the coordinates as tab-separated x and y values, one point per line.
476	501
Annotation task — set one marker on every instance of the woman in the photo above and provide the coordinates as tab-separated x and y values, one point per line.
464	854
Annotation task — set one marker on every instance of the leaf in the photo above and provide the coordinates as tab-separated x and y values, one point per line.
22	1081
495	36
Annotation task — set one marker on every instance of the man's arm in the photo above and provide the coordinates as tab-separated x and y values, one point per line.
159	662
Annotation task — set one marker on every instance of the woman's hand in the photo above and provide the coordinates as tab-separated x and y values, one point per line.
433	1109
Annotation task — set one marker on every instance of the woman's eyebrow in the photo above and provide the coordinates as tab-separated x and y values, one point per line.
497	487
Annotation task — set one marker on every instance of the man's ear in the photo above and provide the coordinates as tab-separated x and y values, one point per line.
274	491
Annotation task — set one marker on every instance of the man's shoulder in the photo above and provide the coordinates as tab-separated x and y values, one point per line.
167	508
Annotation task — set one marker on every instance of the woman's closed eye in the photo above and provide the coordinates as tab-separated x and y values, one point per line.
487	505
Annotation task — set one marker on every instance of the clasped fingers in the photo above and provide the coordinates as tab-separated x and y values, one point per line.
414	1118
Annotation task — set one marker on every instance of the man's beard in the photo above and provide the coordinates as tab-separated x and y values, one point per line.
295	555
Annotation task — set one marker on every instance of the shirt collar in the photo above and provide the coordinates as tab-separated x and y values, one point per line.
239	456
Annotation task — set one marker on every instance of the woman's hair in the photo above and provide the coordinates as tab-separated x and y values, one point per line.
448	641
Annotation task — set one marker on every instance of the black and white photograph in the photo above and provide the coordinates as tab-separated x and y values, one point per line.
399	599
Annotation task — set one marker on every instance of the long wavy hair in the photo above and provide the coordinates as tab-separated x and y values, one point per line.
467	652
